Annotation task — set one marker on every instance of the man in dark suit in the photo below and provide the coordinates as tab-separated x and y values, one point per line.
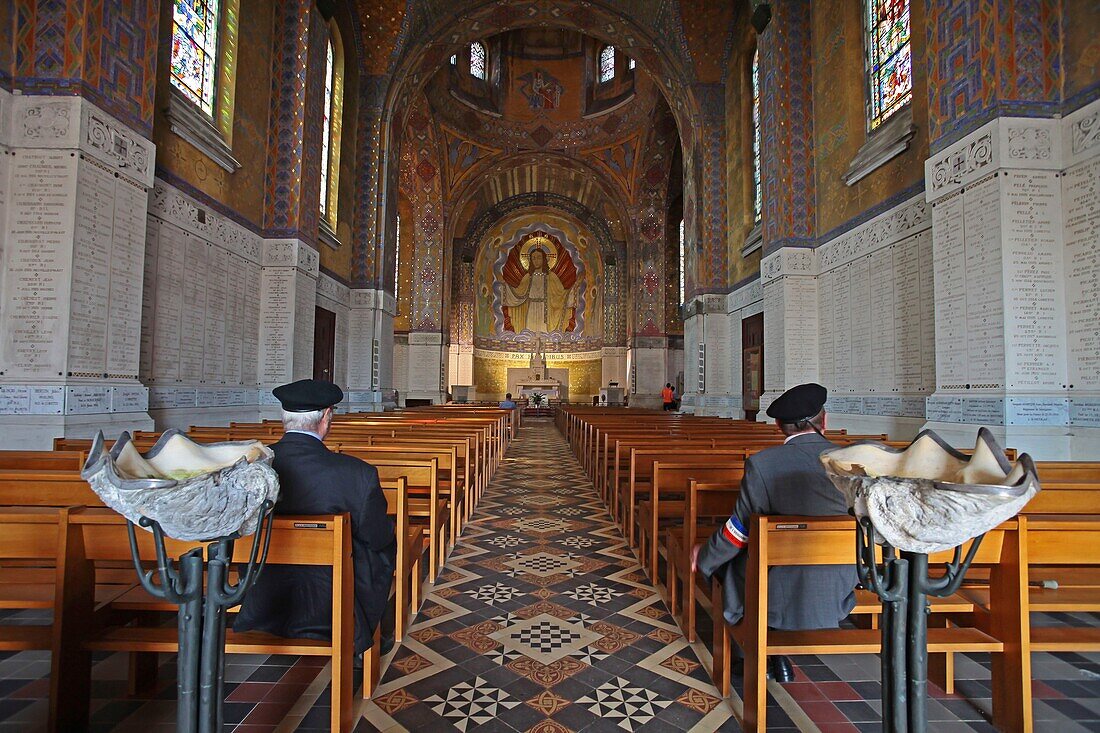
295	601
785	479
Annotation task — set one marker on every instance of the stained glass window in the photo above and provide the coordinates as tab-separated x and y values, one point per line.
195	51
757	198
682	261
607	63
326	128
454	59
631	63
889	62
479	66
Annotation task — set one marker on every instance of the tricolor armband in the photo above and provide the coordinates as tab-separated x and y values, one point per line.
735	532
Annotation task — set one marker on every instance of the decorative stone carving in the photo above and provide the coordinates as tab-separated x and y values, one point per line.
123	148
193	491
47	121
1086	132
1029	143
929	497
953	167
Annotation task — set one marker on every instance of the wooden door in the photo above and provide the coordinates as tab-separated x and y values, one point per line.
752	364
324	345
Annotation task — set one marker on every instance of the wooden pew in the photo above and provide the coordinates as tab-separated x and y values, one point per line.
777	541
667	500
707	507
42	460
308	540
427	509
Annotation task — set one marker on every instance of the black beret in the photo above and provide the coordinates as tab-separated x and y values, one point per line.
308	395
798	403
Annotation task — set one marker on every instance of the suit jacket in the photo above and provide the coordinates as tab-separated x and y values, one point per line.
295	601
786	479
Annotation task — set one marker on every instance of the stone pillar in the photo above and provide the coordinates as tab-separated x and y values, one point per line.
288	300
73	198
787	124
427	366
370	350
648	361
1014	219
790	321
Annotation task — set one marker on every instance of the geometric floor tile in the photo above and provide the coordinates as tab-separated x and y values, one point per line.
592	594
625	703
545	638
477	702
542	565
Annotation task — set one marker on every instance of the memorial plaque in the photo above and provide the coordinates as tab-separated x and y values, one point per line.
212	397
15	399
215	322
842	328
91	274
928	311
192	322
1035	341
826	350
47	400
148	298
275	324
984	301
129	399
171	258
908	360
774	359
234	320
1084	412
912	407
38	257
718	356
5	186
1037	411
984	410
87	400
305	313
127	268
171	397
800	322
250	343
1081	232
939	408
860	274
881	314
950	293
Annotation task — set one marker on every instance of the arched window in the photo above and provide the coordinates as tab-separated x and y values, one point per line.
683	261
889	62
479	60
326	132
757	198
454	59
194	60
607	64
332	120
631	64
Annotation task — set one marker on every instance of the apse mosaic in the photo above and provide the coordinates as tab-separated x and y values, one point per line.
538	278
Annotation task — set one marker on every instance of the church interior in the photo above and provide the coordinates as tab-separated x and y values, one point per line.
572	206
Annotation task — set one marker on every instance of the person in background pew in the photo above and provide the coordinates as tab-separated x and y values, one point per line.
508	404
296	601
668	397
785	479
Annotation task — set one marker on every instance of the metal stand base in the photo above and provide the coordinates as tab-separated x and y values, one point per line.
202	614
903	584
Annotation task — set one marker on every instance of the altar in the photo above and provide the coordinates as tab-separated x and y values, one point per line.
538	378
552	389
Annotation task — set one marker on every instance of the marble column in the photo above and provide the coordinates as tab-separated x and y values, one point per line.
74	184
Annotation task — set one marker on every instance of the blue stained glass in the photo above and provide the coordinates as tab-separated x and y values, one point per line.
194	51
889	61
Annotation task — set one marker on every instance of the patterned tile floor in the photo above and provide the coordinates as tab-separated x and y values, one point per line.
543	621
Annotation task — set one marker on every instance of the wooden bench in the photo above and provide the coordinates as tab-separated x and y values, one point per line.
780	541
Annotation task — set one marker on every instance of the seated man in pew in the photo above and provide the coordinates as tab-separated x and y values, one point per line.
295	601
785	479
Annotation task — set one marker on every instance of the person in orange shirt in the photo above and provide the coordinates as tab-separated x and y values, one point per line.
668	397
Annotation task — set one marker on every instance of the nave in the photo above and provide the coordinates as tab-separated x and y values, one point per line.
542	620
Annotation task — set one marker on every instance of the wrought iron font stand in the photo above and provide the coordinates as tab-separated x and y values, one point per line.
201	618
901	580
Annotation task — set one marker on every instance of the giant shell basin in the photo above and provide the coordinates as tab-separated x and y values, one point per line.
929	497
194	491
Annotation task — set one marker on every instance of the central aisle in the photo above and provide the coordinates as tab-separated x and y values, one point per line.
543	620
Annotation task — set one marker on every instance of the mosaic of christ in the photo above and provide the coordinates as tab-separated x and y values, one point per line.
539	288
